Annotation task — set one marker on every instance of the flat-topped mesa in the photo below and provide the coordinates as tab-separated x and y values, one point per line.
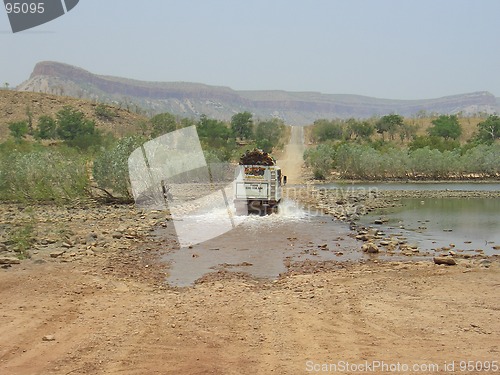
188	99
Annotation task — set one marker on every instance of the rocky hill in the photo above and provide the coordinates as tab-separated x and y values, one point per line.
19	106
194	99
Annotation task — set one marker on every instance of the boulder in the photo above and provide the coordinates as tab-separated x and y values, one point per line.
9	260
370	248
445	260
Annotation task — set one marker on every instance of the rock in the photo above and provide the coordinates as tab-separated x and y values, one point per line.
363	237
496	247
117	235
91	238
485	263
378	221
9	260
67	245
370	248
57	254
89	253
49	338
445	260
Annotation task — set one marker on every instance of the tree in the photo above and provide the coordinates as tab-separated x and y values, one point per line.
361	129
73	124
242	125
389	123
446	126
47	128
324	130
76	130
408	131
268	134
18	129
214	132
489	130
29	114
162	124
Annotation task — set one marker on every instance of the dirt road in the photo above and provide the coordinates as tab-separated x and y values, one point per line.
291	161
64	318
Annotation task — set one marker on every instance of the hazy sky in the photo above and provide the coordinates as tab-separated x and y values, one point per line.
398	49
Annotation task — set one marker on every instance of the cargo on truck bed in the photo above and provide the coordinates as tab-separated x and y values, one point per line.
258	183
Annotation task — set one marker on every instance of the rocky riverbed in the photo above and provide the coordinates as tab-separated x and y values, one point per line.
82	233
350	205
118	237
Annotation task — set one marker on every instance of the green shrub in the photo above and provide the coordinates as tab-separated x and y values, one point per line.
105	112
21	238
110	168
321	159
43	175
19	129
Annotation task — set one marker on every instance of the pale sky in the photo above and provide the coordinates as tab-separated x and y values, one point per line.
395	49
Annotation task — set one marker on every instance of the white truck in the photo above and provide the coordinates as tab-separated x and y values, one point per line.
258	184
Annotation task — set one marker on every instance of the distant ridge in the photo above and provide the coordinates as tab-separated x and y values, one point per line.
193	99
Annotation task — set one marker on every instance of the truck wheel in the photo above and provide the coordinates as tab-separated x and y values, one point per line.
272	210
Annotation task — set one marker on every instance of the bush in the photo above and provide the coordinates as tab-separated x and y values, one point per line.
110	168
269	135
434	142
47	128
321	159
22	238
324	130
162	123
105	112
19	129
482	159
43	175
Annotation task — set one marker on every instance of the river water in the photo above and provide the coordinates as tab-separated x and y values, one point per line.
425	186
264	246
469	224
